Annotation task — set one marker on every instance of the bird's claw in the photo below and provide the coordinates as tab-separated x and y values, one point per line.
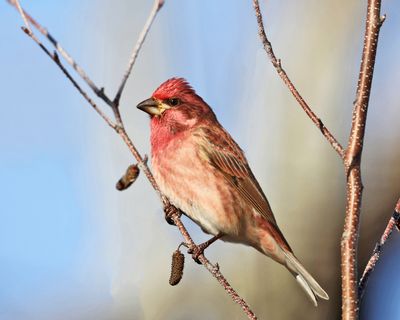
169	212
196	252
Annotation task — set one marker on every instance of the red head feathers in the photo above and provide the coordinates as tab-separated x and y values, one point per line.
173	87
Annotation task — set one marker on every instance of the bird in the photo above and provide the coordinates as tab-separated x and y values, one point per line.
204	173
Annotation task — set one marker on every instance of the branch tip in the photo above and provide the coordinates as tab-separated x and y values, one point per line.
160	4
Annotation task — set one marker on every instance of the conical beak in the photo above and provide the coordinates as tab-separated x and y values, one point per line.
150	106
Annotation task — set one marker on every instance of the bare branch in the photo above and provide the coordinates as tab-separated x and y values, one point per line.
119	128
98	91
282	73
57	61
393	222
156	7
352	162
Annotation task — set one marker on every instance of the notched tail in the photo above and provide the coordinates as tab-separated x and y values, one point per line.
306	281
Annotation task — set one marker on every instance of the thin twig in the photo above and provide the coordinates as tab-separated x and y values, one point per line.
393	222
56	59
142	36
282	73
98	91
156	7
352	162
119	128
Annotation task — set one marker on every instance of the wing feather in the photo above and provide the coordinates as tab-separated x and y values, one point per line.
227	157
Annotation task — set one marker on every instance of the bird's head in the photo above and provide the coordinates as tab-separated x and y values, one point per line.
175	104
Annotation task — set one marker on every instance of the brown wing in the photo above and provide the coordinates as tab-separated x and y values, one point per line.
225	155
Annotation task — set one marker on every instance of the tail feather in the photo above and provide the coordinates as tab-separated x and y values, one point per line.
305	286
306	281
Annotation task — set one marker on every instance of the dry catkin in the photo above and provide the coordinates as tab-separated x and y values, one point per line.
128	178
178	262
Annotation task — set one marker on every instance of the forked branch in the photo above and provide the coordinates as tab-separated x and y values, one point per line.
28	20
118	126
352	155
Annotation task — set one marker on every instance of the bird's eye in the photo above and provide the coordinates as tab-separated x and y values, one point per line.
174	102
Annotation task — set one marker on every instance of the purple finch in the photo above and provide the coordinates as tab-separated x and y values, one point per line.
204	173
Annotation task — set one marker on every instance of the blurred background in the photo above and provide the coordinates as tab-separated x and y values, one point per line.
72	247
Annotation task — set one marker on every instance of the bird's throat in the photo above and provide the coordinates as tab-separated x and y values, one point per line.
163	133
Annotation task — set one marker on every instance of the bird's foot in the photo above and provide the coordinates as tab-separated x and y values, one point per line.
170	211
197	250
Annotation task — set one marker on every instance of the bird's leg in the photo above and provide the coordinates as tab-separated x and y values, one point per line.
197	250
169	211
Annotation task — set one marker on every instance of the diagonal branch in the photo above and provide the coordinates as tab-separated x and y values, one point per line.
135	52
282	73
352	162
114	104
156	7
120	130
394	221
29	20
57	61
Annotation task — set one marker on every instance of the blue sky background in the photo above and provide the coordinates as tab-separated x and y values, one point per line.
71	247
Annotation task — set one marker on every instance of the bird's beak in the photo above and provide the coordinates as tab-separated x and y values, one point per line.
151	107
